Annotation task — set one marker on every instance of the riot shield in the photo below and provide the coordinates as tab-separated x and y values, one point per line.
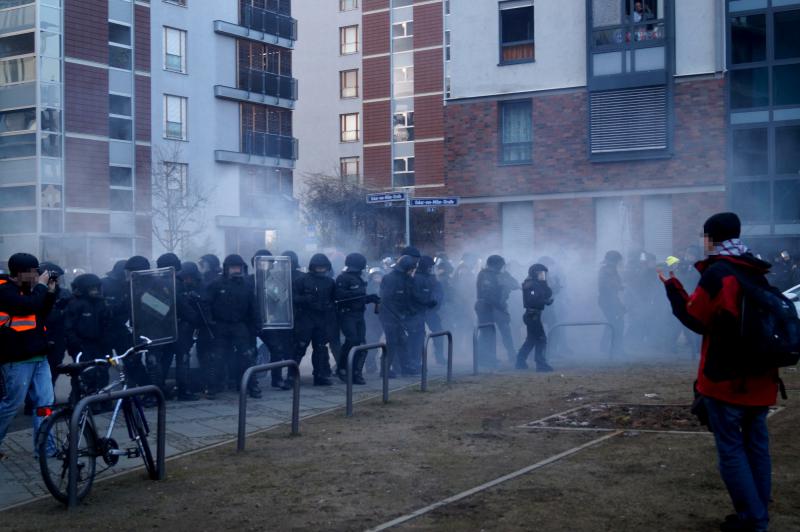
274	292
153	309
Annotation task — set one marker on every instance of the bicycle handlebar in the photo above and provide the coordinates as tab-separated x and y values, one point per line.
114	360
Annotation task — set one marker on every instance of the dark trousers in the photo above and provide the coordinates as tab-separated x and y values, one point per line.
536	338
354	329
233	344
314	329
616	318
396	343
742	443
487	340
279	345
434	322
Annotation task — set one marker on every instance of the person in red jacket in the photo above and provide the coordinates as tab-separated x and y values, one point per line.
737	404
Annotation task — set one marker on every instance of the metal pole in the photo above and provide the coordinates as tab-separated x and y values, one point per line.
385	368
350	355
423	382
408	218
423	385
449	357
295	404
475	351
248	373
240	436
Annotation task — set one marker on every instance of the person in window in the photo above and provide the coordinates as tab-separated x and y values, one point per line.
641	12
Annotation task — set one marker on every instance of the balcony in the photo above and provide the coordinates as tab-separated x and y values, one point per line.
262	149
260	25
257	86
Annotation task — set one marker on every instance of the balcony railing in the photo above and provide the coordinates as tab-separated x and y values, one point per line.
268	22
267	145
267	83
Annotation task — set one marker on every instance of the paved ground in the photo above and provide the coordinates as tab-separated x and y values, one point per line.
190	426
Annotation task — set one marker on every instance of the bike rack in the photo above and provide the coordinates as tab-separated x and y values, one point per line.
423	385
475	343
587	324
248	374
72	479
384	372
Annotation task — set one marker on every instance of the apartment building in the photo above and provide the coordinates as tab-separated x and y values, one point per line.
75	129
590	125
328	65
224	95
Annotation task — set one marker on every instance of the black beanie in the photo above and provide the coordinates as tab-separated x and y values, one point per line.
723	226
411	251
21	262
169	259
137	263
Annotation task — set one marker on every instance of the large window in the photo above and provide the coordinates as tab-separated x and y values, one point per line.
121	191
22	44
403	36
403	126
403	171
19	70
176	183
348	5
175	117
516	135
348	40
348	83
350	169
120	51
120	124
516	32
174	50
348	125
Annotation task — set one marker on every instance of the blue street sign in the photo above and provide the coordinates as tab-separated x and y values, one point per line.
435	202
385	197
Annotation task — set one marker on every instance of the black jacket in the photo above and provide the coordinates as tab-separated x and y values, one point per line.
18	346
427	291
493	289
314	292
231	300
351	292
86	323
397	296
536	294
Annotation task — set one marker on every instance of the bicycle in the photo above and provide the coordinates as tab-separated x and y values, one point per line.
52	441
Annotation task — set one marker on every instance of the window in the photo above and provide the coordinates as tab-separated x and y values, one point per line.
12	146
17	70
348	5
22	44
174	117
119	46
748	38
348	124
516	132
121	200
403	36
749	88
403	80
403	172
750	152
175	177
181	3
120	176
350	169
516	32
403	126
787	40
119	105
447	45
348	40
18	120
787	150
174	50
348	84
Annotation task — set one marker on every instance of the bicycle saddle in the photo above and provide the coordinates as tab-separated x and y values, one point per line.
73	369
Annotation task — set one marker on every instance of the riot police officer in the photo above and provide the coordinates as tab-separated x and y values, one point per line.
351	301
494	285
233	311
536	295
314	294
397	314
430	296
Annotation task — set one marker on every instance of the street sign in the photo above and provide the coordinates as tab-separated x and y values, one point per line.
435	202
385	197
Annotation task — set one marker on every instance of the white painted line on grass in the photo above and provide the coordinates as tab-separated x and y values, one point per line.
492	483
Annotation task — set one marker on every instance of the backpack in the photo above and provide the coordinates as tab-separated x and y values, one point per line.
769	326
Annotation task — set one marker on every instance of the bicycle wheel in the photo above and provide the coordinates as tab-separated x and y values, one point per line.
137	429
52	444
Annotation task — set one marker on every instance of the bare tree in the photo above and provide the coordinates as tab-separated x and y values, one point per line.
177	204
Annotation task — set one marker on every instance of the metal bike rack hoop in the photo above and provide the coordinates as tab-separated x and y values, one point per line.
587	324
384	371
423	385
72	474
475	343
248	374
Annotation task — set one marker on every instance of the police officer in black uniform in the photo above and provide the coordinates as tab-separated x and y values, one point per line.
429	298
494	285
536	295
233	311
314	294
287	336
398	312
352	300
85	323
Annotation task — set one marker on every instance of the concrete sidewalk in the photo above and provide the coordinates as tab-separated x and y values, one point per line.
190	426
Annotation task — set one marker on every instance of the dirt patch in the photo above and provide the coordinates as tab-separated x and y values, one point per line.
388	460
625	417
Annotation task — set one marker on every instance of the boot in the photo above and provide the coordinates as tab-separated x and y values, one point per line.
322	381
544	368
521	363
358	369
253	390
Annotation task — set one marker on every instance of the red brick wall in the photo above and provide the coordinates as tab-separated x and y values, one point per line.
371	5
470	225
377	166
428	71
561	165
376	122
428	117
87	182
428	26
375	33
143	108
143	178
86	29
85	99
142	37
429	163
376	78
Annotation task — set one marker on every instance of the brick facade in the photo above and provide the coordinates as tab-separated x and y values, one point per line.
142	37
86	181
86	30
143	108
85	99
561	166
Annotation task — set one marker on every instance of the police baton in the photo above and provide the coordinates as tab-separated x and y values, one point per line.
205	320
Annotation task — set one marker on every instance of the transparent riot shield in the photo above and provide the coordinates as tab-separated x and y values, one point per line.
153	309
274	292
